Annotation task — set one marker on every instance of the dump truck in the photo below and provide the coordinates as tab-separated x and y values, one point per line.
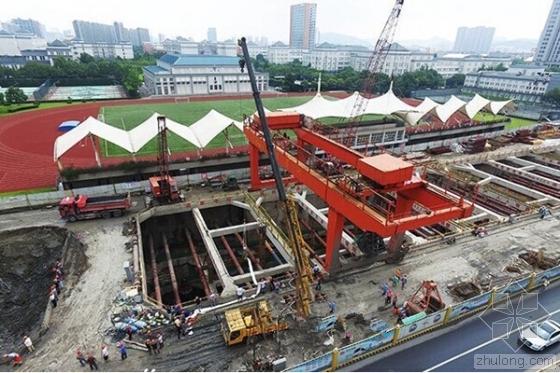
241	323
81	207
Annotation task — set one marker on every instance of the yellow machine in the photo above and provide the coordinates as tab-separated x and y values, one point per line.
242	323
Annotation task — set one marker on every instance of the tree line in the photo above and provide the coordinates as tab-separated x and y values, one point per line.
290	77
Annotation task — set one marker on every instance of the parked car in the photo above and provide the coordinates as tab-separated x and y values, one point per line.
540	336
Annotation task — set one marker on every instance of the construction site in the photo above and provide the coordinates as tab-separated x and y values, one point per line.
267	273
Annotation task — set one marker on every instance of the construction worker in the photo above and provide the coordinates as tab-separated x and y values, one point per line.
198	302
319	278
240	292
160	341
384	289
129	332
27	342
80	357
404	280
123	351
53	289
212	298
388	296
332	306
179	326
53	299
14	357
154	345
395	298
316	270
149	346
92	362
105	353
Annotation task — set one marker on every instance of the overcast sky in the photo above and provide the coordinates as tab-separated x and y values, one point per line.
420	19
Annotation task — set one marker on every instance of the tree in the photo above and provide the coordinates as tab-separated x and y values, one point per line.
1	98
132	81
15	95
86	58
552	97
457	80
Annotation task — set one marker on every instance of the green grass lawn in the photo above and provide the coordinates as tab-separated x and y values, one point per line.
513	124
129	116
44	105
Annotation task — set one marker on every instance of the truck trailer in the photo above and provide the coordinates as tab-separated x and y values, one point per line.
81	207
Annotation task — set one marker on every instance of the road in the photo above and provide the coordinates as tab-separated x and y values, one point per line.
454	349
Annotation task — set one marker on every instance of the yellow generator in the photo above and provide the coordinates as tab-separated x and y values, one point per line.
242	323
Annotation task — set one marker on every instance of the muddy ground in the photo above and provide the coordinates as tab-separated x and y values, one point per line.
27	256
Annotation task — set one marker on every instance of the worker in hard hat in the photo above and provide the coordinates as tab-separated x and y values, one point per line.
14	357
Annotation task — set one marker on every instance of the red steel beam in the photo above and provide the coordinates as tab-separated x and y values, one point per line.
171	270
199	269
355	210
157	289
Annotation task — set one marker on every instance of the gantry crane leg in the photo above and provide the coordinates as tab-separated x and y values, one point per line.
335	227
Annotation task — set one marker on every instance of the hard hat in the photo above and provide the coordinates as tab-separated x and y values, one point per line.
102	346
78	352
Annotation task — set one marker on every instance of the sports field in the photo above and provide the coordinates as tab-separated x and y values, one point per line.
129	116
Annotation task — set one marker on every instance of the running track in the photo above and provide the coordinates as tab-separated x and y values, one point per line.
27	141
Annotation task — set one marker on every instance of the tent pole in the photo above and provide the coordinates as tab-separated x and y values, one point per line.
59	163
97	159
227	140
134	157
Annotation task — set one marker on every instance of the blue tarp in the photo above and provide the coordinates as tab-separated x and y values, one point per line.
68	125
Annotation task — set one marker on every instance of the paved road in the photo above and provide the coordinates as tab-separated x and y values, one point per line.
455	349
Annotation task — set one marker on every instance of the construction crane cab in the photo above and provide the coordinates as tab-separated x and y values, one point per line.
241	323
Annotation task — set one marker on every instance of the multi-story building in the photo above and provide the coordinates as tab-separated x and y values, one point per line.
302	25
177	74
523	83
399	59
256	49
34	27
282	53
59	49
548	48
91	32
474	40
212	35
458	63
14	44
102	50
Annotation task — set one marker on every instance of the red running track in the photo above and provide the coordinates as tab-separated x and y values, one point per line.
27	142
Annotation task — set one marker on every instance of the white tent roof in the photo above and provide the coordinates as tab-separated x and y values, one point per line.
144	132
475	105
445	111
387	104
317	107
95	127
412	117
182	131
211	126
496	106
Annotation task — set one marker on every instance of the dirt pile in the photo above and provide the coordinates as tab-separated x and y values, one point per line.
27	257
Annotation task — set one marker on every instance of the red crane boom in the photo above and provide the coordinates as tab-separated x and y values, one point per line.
375	66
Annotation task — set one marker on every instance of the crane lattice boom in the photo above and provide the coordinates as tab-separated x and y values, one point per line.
375	66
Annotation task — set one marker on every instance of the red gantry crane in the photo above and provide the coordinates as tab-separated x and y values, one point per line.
375	66
163	187
380	194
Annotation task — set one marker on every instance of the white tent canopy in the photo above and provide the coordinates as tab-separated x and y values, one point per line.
413	117
445	111
475	105
387	104
213	123
95	127
143	133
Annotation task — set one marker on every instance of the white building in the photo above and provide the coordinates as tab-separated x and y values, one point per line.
281	53
548	48
102	50
458	63
524	83
13	44
197	74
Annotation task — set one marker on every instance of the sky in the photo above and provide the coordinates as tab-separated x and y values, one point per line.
420	19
